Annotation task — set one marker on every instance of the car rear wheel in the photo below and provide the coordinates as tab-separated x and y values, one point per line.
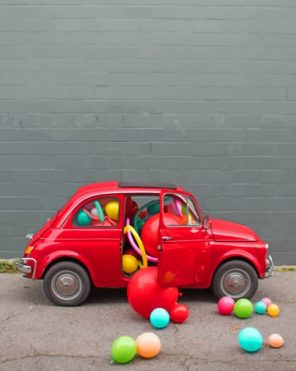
67	284
235	278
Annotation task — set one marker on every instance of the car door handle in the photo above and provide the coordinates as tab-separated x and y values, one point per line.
166	238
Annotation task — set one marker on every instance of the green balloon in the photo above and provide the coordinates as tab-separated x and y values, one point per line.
243	308
82	218
124	349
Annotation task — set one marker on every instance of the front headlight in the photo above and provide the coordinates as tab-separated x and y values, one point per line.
267	246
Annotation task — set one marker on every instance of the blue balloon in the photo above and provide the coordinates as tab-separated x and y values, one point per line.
159	318
250	339
260	307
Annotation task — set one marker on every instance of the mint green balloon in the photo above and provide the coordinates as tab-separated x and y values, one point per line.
82	218
124	349
243	308
260	307
250	339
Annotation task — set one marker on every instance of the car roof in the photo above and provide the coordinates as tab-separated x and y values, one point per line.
119	186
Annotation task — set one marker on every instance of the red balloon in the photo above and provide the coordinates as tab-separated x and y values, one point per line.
150	231
225	305
144	294
131	208
179	313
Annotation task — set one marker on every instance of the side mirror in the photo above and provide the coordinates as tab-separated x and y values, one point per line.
206	222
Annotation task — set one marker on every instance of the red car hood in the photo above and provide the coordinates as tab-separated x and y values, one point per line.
228	231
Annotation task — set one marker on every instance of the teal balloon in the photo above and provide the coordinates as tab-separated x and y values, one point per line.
159	318
82	218
250	339
260	307
124	349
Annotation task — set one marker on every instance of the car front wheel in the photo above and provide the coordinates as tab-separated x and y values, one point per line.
235	278
67	284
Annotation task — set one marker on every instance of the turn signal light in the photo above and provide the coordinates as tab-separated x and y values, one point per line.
29	250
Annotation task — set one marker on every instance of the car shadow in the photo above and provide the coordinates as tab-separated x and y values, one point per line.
106	295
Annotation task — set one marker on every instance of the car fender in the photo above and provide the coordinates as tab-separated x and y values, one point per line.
63	255
237	254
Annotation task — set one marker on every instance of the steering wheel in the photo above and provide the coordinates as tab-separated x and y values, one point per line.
152	208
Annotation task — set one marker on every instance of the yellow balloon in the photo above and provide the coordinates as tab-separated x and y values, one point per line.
129	263
129	228
112	209
273	310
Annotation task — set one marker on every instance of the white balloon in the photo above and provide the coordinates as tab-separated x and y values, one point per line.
94	212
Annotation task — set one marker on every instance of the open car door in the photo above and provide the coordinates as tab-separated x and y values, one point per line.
184	249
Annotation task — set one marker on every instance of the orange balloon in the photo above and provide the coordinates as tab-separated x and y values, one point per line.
148	345
275	341
273	310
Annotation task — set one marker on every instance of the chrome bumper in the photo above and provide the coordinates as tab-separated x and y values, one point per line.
269	267
24	268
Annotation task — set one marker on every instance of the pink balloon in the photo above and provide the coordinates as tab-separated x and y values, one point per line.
267	301
225	305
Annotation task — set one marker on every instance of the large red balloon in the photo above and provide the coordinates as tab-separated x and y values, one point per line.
144	294
150	231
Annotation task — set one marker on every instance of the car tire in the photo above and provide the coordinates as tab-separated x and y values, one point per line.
235	278
67	284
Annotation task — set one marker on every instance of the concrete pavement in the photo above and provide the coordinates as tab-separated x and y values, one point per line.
36	335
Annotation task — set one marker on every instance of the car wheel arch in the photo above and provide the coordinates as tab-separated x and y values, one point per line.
232	258
67	259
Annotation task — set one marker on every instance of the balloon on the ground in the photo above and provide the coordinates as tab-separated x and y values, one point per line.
124	349
144	293
129	263
260	307
225	305
243	308
159	318
273	310
250	339
276	341
148	345
179	313
267	301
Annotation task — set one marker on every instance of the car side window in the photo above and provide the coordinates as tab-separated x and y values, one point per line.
99	212
179	210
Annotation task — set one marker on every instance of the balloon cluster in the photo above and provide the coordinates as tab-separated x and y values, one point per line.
244	308
125	348
149	300
96	214
250	340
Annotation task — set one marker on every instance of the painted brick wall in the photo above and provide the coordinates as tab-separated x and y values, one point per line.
197	92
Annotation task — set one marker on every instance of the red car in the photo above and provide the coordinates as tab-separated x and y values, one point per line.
88	243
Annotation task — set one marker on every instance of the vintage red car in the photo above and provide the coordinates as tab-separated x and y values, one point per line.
84	244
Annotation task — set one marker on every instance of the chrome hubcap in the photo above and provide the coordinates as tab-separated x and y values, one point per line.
66	285
235	283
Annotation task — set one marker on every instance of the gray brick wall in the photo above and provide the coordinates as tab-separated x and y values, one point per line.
197	92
